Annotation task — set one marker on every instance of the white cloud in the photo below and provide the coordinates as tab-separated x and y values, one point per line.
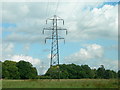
41	68
24	9
96	24
92	55
28	38
8	48
26	58
85	54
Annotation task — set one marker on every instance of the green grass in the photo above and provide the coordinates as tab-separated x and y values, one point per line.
63	83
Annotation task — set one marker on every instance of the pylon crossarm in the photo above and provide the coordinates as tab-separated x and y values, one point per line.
61	20
61	29
64	29
49	28
53	28
62	38
46	29
55	39
49	19
47	38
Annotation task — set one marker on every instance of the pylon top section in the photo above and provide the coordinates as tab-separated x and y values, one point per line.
54	38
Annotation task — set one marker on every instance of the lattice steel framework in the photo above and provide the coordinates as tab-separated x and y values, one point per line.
54	60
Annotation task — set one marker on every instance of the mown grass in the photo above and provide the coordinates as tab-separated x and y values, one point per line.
63	83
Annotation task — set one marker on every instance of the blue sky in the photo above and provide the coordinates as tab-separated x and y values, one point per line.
22	24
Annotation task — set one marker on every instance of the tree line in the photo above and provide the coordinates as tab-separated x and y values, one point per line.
18	70
25	70
72	71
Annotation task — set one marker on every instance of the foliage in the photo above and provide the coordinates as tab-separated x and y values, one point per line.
53	72
43	77
101	72
119	74
26	70
72	71
109	84
110	74
9	70
0	69
18	70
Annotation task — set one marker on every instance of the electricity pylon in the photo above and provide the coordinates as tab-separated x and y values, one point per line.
54	60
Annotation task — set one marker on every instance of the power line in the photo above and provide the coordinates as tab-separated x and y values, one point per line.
47	8
56	7
92	20
54	60
97	4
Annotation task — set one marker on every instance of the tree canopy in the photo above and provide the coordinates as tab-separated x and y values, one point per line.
18	70
25	70
9	70
72	71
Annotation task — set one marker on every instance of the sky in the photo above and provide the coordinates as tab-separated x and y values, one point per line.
92	33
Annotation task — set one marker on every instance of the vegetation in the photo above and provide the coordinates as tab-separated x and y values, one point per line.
72	71
9	70
25	70
71	76
18	70
63	83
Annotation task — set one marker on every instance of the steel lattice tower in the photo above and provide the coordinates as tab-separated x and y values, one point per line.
55	39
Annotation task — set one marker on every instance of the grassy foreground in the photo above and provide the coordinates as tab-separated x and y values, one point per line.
63	83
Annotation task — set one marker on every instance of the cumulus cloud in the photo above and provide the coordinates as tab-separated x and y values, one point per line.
6	50
26	58
92	55
85	54
41	68
98	23
26	38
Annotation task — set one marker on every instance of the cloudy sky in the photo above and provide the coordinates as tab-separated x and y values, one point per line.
92	32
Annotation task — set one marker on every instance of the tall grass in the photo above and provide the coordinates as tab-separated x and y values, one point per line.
63	83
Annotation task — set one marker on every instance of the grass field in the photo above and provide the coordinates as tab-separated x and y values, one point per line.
63	83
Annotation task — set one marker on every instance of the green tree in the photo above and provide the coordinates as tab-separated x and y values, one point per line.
0	69
109	74
88	73
119	74
70	71
73	71
63	72
94	72
26	70
101	72
9	70
53	72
